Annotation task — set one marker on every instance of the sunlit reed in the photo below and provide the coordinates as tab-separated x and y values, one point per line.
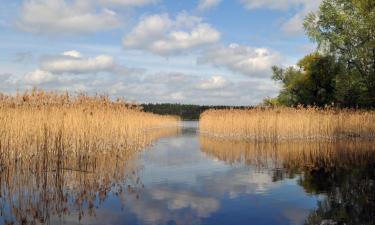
61	153
288	123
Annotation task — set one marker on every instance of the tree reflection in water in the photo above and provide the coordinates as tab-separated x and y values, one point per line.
40	185
344	172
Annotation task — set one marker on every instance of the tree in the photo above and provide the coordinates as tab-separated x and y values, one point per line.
312	83
345	29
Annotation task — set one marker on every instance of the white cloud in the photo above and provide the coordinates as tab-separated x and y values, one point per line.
55	72
249	61
73	53
294	24
60	17
215	82
170	87
127	2
207	4
272	4
161	35
74	62
195	89
38	77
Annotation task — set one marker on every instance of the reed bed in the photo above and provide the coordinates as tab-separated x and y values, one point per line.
60	122
45	188
278	124
62	153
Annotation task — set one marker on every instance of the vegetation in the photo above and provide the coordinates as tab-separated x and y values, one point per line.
279	124
73	123
186	112
342	71
61	153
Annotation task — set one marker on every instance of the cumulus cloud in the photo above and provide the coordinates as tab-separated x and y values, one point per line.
249	61
75	62
294	24
38	77
61	17
207	4
55	72
215	82
162	35
195	89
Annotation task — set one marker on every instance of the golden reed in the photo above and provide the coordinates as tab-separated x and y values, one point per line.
81	124
48	186
60	153
278	124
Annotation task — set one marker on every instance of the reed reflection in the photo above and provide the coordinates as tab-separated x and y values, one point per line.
343	172
40	185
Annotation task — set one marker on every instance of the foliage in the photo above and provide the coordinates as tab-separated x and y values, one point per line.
186	112
345	29
342	71
312	83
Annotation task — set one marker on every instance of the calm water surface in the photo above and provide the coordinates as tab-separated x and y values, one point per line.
190	179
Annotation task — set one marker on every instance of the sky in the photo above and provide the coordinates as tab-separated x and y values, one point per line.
212	52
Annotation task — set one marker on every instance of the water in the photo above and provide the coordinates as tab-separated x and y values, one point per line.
190	179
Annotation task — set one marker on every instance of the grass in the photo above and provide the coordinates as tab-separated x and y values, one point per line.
61	153
278	124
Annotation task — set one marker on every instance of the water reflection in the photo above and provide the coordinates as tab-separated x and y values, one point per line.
183	185
343	172
44	187
185	178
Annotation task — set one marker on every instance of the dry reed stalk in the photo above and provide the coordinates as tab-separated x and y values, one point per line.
288	123
80	124
48	185
61	153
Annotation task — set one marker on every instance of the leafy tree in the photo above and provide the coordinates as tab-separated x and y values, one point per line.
346	29
312	83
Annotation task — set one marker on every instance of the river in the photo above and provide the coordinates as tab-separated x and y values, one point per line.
190	179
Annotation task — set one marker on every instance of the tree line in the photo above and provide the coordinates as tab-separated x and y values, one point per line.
341	72
185	111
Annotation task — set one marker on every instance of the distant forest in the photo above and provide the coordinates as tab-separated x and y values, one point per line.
186	112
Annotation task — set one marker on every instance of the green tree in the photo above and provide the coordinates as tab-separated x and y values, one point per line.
312	83
346	29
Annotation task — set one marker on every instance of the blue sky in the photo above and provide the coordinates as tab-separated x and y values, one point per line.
186	51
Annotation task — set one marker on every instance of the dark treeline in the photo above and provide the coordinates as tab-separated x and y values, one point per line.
186	112
342	70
